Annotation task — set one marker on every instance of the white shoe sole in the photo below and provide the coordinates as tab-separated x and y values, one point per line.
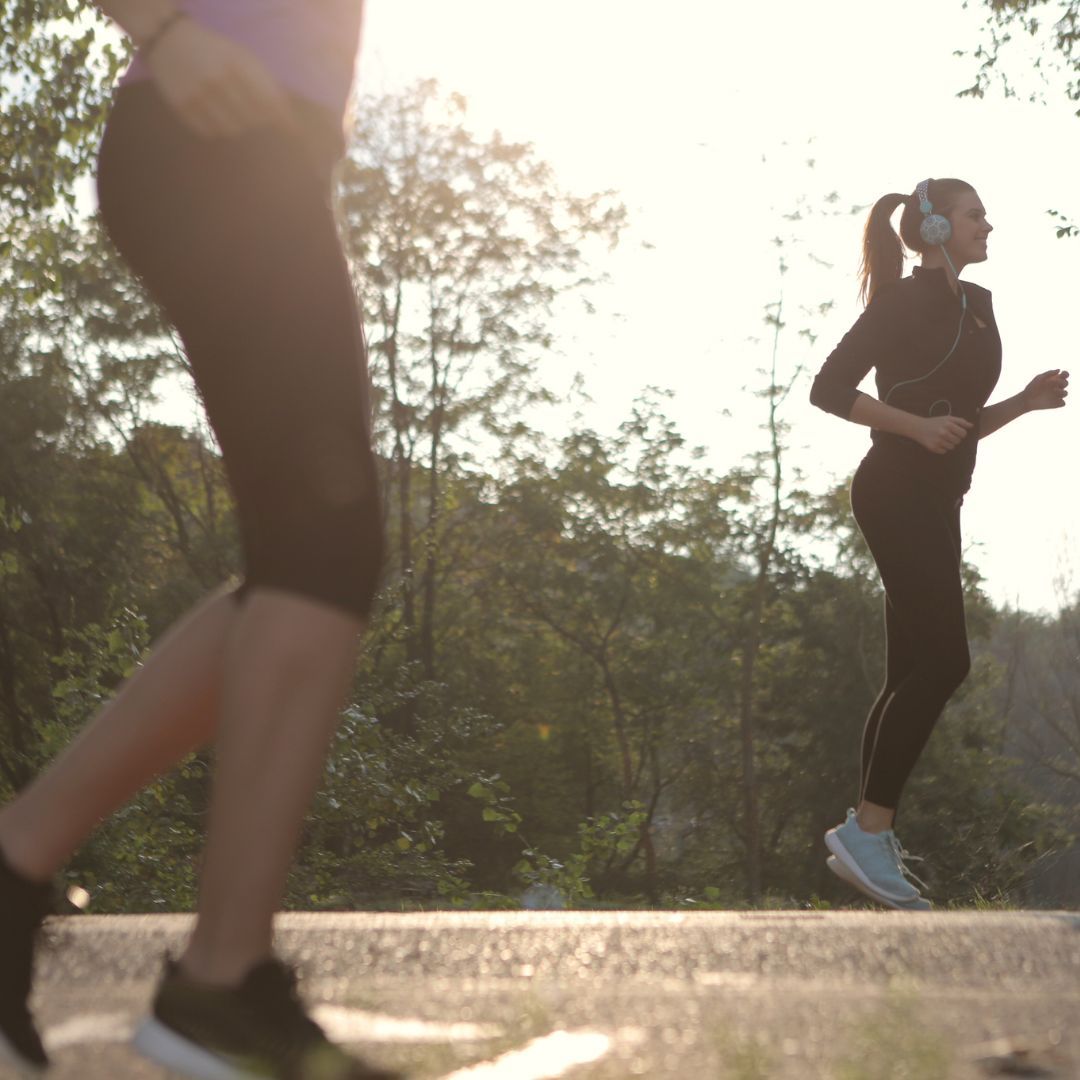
11	1057
159	1043
858	878
841	871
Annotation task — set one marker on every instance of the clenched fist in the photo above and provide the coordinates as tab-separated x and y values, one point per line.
940	434
1048	390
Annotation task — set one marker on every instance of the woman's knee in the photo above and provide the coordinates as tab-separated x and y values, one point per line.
325	543
293	631
951	664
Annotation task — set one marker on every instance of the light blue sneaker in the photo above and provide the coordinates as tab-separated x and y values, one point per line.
873	863
920	903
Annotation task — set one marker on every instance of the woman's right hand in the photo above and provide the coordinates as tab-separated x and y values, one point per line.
216	87
940	434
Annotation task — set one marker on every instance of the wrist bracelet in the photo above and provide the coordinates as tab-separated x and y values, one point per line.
162	28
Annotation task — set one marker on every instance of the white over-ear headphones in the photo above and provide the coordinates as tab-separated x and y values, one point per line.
935	228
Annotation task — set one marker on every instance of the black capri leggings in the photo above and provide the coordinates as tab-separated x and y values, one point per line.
236	240
913	531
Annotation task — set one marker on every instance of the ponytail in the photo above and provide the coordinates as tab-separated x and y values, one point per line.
883	251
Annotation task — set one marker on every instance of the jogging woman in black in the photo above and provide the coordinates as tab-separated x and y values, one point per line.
934	344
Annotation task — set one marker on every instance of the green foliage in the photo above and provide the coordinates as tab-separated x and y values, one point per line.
375	834
93	662
1053	25
551	882
1051	29
1064	228
58	61
144	857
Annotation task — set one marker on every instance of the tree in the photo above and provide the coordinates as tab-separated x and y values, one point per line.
593	559
1040	698
763	527
460	247
1054	25
1053	28
763	535
59	63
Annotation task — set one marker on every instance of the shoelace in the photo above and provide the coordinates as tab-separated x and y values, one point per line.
902	857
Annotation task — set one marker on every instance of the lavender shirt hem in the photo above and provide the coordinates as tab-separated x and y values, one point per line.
309	46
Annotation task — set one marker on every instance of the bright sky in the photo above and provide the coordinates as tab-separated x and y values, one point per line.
702	116
676	105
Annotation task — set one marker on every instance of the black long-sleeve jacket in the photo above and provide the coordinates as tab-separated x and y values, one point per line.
904	333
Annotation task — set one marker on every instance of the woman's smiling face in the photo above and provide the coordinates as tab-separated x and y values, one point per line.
970	229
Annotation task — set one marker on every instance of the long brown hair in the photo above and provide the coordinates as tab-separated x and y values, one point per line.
883	249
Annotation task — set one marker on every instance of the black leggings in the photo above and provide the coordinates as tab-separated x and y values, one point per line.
913	531
236	240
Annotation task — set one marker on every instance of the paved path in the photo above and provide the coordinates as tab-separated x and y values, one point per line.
610	996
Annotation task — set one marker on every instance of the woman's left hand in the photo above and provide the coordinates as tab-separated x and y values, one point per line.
1048	390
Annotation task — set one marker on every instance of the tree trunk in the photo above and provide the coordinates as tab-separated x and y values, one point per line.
431	552
401	472
431	532
752	642
747	731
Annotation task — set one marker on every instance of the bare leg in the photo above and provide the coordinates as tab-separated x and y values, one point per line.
873	818
289	663
166	709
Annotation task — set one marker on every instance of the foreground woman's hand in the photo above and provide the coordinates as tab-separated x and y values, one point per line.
216	87
1047	391
940	434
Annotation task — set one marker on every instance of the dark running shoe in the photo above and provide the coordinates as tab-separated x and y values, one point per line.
258	1030
23	907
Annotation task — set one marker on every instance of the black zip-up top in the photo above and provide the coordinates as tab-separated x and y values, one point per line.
904	333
